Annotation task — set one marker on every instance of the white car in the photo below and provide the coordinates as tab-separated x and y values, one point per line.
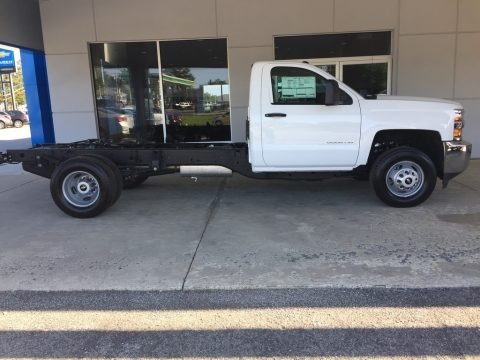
184	105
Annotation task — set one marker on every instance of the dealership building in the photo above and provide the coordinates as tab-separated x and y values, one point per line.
178	70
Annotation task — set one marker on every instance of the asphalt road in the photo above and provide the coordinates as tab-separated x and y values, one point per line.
284	323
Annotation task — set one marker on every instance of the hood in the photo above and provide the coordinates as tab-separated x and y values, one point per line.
419	99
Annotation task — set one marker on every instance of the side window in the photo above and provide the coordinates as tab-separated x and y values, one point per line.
297	86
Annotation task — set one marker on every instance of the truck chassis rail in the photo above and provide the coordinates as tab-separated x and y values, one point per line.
149	160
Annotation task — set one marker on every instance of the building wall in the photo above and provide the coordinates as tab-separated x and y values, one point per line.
20	24
436	44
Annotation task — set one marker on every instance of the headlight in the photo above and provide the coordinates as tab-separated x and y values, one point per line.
458	124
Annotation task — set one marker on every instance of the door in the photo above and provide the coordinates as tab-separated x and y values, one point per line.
298	129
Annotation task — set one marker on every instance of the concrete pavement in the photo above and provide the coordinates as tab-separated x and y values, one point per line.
173	233
13	138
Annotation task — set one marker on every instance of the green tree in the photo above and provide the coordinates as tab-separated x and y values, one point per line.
18	90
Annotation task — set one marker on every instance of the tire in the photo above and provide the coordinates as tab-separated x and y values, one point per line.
403	177
87	174
133	181
2	125
18	124
114	173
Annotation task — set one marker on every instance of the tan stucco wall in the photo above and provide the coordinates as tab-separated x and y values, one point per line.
436	44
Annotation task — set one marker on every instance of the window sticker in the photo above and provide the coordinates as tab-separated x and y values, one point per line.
297	87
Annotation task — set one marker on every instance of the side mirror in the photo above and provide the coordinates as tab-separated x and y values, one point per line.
332	92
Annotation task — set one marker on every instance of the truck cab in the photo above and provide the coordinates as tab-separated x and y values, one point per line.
301	120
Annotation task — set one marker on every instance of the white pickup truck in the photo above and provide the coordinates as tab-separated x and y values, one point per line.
302	124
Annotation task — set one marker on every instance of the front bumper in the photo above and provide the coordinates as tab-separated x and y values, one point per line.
456	155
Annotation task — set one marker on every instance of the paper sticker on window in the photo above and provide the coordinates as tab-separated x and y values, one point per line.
297	87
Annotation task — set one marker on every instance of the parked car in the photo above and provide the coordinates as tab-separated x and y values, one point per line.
184	105
19	118
112	123
6	114
125	115
5	120
208	106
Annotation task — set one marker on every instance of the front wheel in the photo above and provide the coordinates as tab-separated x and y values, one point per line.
18	123
403	177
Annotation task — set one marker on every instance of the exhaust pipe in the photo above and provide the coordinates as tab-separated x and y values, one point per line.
204	171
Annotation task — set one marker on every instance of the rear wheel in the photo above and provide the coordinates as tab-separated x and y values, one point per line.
18	123
403	177
82	187
114	173
2	125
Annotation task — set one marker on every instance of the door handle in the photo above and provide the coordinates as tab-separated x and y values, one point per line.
275	115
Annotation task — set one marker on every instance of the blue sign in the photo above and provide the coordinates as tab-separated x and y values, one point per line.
7	61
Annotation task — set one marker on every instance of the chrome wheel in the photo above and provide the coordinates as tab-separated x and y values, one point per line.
405	179
2	125
81	189
18	123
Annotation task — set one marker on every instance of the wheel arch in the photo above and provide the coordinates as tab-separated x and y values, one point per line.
427	141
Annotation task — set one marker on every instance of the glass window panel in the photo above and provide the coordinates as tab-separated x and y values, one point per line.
296	86
332	45
196	90
127	91
367	79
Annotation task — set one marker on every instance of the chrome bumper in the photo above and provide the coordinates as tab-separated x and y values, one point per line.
456	158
